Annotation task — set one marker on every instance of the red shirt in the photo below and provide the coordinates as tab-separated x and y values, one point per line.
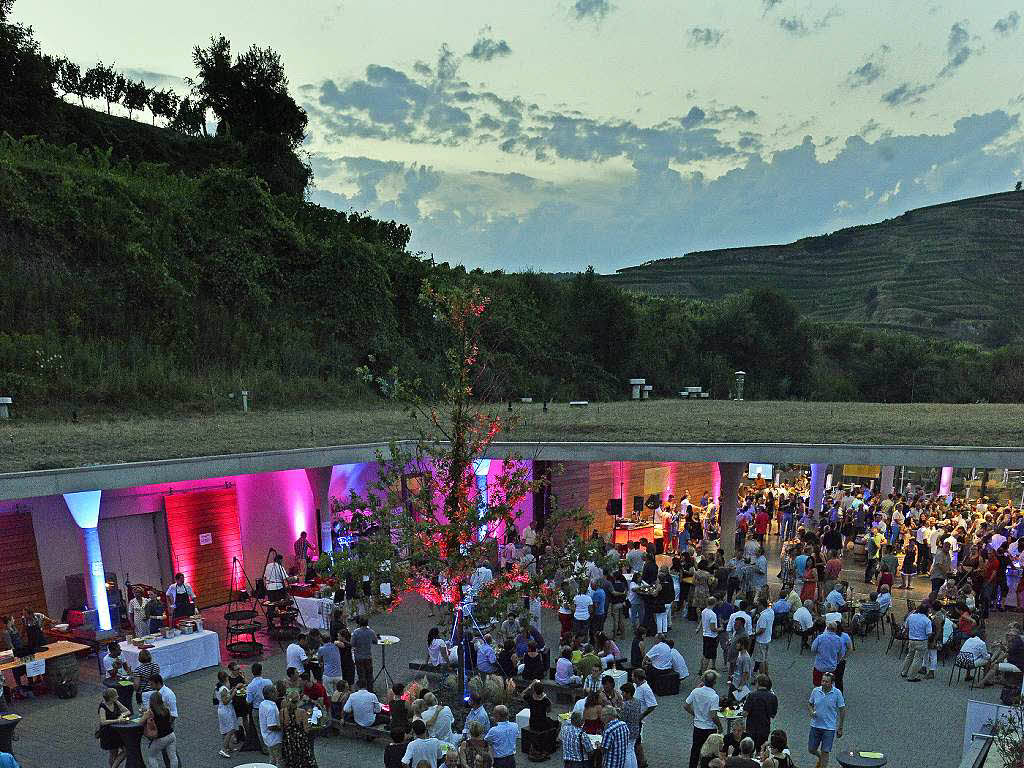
991	567
316	691
761	521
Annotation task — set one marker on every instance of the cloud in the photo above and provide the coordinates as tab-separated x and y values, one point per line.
1007	25
957	48
592	9
868	72
512	221
905	93
487	48
390	104
794	25
709	37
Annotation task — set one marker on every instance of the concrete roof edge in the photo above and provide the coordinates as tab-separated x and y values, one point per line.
48	482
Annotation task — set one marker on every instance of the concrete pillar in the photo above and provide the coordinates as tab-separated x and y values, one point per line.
946	482
320	484
817	494
84	507
887	481
729	475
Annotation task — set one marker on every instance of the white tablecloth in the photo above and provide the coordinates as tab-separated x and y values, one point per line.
179	655
618	675
315	612
523	719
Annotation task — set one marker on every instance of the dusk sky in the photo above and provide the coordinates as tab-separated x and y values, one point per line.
553	135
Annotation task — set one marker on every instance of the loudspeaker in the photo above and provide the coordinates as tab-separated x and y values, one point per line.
638	503
654	501
614	507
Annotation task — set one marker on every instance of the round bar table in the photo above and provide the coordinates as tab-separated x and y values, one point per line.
860	759
130	733
8	722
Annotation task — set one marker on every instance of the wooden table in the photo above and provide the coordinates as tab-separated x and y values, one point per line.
53	651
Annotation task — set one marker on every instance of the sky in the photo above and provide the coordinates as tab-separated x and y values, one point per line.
560	134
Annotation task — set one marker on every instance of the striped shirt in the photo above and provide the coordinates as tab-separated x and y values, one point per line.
615	742
576	745
145	672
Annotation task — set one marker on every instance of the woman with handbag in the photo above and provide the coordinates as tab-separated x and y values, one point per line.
181	600
158	733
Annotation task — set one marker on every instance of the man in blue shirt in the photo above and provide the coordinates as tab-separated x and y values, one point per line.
486	658
502	738
919	629
615	741
477	714
828	648
828	713
600	598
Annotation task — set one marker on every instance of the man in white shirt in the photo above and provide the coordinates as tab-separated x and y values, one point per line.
275	577
529	537
254	690
703	703
803	617
709	635
660	654
739	613
295	654
481	576
364	706
270	723
423	748
678	662
763	636
976	647
170	700
583	605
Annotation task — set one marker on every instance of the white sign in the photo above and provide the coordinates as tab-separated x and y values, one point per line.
34	668
205	538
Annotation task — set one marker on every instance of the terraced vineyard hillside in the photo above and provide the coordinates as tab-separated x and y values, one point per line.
948	270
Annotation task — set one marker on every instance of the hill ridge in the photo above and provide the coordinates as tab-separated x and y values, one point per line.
881	274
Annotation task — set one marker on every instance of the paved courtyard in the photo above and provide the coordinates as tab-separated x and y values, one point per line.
919	725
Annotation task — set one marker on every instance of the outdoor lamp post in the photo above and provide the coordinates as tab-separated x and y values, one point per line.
740	376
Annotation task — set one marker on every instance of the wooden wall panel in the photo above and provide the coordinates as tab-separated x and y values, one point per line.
207	567
590	485
21	579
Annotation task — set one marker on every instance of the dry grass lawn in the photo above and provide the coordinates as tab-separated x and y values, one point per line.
28	445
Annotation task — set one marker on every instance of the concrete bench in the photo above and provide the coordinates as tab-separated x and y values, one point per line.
350	728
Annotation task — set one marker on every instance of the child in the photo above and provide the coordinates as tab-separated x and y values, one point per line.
593	680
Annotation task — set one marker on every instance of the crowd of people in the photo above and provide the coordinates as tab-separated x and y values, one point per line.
961	552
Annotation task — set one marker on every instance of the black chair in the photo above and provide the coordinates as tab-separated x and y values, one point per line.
964	662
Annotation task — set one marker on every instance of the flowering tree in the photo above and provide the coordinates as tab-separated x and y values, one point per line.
436	511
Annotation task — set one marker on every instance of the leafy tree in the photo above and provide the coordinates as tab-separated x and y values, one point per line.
164	103
190	118
26	75
136	96
428	522
70	80
104	82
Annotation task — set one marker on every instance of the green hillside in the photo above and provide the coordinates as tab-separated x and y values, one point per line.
952	270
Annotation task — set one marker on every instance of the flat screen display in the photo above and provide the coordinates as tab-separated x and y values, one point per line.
767	471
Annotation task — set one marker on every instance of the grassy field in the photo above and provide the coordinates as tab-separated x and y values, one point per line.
28	445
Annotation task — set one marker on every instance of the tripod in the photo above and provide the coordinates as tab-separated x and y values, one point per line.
463	611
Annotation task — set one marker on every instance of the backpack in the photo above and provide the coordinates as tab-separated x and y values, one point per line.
66	689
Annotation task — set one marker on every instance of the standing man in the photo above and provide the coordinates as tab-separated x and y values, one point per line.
919	629
181	600
615	741
942	566
275	578
828	713
703	703
502	738
304	552
763	630
600	600
648	703
709	635
363	640
828	648
270	724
